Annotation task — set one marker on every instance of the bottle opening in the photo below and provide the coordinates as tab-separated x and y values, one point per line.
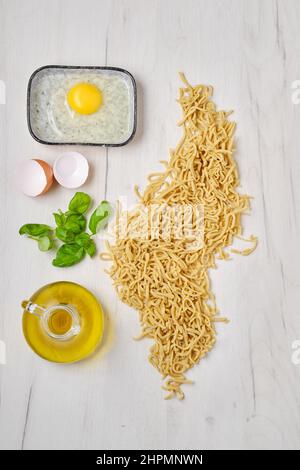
60	322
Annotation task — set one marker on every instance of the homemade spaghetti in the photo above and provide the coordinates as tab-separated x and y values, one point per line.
165	277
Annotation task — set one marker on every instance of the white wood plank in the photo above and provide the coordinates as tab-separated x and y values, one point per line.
246	392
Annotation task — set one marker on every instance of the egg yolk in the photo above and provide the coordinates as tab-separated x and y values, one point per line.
84	98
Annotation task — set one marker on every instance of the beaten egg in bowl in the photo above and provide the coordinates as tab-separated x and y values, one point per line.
74	105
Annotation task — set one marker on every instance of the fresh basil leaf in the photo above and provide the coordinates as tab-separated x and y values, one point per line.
100	217
35	230
64	235
80	203
68	254
90	248
59	219
75	223
45	243
82	239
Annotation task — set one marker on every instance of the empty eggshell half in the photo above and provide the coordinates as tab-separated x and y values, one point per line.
71	170
35	177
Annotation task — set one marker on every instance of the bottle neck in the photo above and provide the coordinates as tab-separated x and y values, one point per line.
74	327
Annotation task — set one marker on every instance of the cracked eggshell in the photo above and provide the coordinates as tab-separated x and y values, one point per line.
34	177
71	170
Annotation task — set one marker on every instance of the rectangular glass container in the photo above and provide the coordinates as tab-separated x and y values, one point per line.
51	121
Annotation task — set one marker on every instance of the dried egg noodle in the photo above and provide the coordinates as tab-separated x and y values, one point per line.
165	281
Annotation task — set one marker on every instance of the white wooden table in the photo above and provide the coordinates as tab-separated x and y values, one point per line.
247	391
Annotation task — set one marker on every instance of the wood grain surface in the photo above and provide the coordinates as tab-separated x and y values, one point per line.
247	391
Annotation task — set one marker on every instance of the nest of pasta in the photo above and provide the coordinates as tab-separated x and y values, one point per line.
165	276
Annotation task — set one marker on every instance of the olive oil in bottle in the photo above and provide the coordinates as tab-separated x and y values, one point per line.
63	322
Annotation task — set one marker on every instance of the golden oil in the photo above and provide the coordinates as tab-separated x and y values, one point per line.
59	323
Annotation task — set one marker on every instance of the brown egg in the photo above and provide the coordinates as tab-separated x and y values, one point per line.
35	177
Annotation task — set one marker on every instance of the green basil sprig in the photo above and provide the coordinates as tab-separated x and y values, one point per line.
35	230
71	230
42	233
100	216
67	255
80	203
